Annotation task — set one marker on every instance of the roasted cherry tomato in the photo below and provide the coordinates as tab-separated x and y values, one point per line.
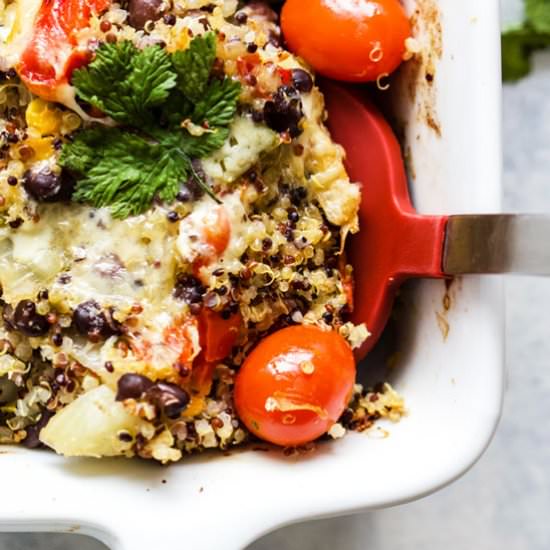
53	51
295	385
218	334
352	40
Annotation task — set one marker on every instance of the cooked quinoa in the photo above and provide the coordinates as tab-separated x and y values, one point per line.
93	306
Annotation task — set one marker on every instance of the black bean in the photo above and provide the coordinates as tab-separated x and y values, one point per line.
32	441
267	243
126	437
15	224
346	418
57	339
169	398
12	180
184	195
44	185
90	320
141	11
293	216
173	216
132	386
241	18
8	390
302	80
328	317
252	48
28	321
284	112
109	366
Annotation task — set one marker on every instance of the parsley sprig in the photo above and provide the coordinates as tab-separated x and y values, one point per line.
169	111
521	41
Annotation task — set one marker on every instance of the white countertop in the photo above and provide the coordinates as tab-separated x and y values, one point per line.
503	502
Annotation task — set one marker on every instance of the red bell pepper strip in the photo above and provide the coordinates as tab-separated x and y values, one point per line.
55	49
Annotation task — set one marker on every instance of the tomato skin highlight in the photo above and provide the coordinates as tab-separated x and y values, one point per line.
295	385
350	40
53	52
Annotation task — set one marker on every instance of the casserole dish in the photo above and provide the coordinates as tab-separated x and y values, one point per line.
449	369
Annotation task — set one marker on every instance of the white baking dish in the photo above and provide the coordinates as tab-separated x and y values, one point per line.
453	386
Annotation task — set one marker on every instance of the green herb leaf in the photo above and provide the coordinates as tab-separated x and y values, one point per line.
518	45
125	82
122	170
176	109
520	42
219	104
193	66
151	93
202	146
537	13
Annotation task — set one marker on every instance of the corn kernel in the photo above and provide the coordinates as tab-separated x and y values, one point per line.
180	41
43	116
42	147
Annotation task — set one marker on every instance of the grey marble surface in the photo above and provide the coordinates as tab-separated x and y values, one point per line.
504	501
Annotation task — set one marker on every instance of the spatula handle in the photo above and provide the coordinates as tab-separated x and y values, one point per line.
497	243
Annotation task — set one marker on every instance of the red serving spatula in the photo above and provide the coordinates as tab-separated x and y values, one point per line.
395	243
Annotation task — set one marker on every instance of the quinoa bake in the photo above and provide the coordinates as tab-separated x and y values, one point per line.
162	210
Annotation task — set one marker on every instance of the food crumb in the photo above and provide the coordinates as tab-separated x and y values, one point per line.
337	431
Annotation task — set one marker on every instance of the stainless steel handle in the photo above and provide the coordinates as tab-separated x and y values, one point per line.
497	243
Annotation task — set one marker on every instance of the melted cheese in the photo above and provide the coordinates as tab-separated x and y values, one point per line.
192	241
240	152
116	262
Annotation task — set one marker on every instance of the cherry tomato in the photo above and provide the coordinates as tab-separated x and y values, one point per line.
352	40
295	385
53	51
